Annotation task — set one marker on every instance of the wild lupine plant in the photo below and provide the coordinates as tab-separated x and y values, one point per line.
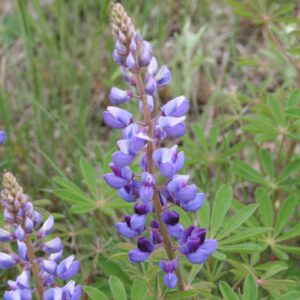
159	187
36	255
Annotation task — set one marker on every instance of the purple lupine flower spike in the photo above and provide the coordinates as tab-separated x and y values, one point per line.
23	225
151	191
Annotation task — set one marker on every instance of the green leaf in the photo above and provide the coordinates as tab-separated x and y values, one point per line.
220	207
250	288
293	295
291	233
290	169
246	172
89	176
239	218
267	162
279	253
275	109
219	256
272	268
240	248
227	291
203	215
83	208
265	206
117	288
285	213
293	111
182	295
73	197
245	234
94	294
69	185
138	290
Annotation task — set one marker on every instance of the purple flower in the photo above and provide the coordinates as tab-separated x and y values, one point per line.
68	292
172	126
163	77
52	246
194	245
68	268
146	190
171	219
142	252
119	178
125	228
2	136
169	268
5	236
118	96
169	161
131	191
47	227
116	117
176	107
25	294
6	261
146	54
155	235
151	85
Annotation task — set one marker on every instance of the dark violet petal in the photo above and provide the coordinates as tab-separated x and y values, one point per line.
142	208
115	181
163	77
170	280
170	217
122	159
126	231
137	256
186	233
168	266
145	245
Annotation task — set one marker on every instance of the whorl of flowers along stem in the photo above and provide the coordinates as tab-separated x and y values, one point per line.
24	226
158	165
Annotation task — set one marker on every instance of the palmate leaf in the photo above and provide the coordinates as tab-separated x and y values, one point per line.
89	176
227	291
241	248
271	268
138	290
267	162
276	110
265	206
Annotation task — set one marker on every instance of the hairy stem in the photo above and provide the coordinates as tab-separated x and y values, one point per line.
156	201
35	268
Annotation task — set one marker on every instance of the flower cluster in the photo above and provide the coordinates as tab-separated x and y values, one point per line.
159	187
37	255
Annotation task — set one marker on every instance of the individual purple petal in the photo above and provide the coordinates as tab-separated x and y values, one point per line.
163	77
168	266
6	261
175	131
186	193
146	193
48	266
186	234
8	216
146	54
116	117
53	294
122	159
56	256
175	231
170	280
37	218
2	136
72	292
28	225
47	227
68	270
194	204
150	86
145	245
130	192
203	252
20	233
170	217
177	182
126	231
127	75
155	236
52	246
137	256
138	221
176	107
22	250
131	62
5	236
23	280
142	208
179	162
118	96
152	67
114	181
